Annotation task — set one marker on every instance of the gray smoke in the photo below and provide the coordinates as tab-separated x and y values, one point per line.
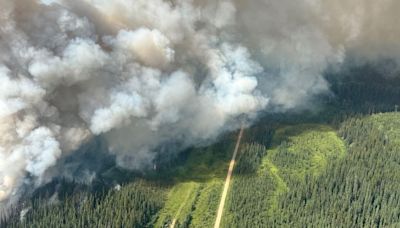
143	73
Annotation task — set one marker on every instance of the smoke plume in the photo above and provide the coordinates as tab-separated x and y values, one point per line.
144	73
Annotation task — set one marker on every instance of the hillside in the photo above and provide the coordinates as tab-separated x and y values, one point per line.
290	175
311	186
199	113
297	153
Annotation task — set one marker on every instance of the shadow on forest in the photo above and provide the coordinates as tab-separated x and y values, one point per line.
199	164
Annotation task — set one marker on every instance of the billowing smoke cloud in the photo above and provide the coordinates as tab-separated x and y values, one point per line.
144	73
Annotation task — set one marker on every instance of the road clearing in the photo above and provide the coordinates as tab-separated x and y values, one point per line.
227	181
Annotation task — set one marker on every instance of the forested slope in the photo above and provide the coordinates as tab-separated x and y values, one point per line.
287	175
263	176
312	182
132	205
187	190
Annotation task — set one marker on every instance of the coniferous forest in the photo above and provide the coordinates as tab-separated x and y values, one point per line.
199	113
335	167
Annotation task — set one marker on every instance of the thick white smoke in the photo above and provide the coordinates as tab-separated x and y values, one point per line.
144	73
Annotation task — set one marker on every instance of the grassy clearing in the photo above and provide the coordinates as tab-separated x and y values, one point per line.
304	149
180	201
299	151
196	186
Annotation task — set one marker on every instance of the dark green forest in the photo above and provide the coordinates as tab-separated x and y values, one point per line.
360	188
131	205
337	166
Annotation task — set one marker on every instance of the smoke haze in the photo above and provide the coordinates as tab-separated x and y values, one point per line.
144	73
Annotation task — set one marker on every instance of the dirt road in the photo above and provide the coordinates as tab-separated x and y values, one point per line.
173	223
227	181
